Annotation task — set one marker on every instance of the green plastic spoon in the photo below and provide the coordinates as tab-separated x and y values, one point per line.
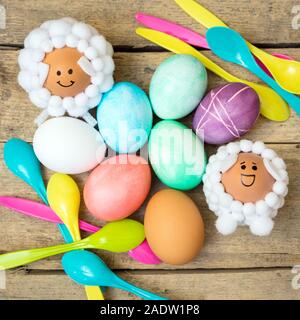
117	236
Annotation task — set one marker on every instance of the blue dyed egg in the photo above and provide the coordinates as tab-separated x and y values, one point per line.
124	117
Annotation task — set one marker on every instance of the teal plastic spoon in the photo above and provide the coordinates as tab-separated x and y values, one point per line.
229	45
96	273
21	160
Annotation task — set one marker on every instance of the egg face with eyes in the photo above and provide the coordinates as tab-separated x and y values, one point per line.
248	179
65	77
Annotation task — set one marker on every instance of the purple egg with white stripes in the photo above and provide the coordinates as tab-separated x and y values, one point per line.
226	113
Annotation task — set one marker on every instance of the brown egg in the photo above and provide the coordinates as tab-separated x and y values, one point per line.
65	77
174	227
248	179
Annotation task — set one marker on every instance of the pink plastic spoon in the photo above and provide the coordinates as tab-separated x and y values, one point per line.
142	253
186	34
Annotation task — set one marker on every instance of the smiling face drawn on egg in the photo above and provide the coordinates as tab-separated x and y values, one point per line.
248	179
65	76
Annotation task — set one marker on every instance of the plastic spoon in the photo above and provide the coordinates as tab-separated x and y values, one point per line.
117	236
285	72
187	35
278	55
229	45
272	106
96	273
21	160
64	198
142	253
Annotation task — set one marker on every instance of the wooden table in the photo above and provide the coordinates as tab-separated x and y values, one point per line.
240	266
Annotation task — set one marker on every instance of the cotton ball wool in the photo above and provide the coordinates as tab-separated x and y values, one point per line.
245	184
65	67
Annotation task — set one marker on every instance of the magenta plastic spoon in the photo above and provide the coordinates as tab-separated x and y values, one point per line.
173	29
186	34
142	253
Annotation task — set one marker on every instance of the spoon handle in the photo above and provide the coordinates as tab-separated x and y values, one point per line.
126	286
178	46
265	94
141	253
209	20
200	14
40	211
19	258
93	293
173	29
292	100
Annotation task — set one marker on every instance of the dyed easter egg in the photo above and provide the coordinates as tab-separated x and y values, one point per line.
226	113
117	187
177	155
68	145
174	227
125	117
177	86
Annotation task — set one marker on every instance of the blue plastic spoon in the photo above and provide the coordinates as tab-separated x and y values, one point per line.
94	272
21	160
229	45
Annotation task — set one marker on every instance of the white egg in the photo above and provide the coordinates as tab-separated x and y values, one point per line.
68	145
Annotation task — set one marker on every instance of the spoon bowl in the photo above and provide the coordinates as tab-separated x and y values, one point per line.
96	273
117	236
275	54
286	73
64	198
187	35
21	160
141	253
229	45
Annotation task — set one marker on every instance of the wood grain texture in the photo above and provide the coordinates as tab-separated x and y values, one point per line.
255	284
18	113
240	266
259	21
282	248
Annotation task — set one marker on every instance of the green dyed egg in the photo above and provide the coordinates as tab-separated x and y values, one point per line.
177	86
177	155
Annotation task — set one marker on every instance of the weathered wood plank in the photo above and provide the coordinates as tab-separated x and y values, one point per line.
282	248
259	21
257	284
262	22
18	114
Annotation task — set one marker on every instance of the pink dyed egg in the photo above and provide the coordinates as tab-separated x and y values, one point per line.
226	113
117	187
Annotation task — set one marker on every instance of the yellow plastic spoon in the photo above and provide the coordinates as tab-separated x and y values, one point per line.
64	199
272	106
285	72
